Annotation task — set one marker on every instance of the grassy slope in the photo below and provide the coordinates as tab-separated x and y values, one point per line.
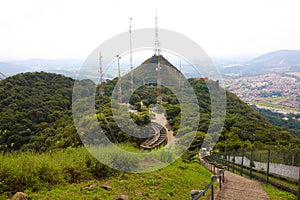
276	194
61	175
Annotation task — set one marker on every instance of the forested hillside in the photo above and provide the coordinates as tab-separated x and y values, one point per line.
289	121
35	114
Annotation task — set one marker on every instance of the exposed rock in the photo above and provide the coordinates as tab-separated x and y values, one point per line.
89	187
20	196
122	197
106	187
182	167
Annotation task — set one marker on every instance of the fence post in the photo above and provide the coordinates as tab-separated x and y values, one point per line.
212	189
229	157
298	184
251	162
242	164
233	161
268	165
220	180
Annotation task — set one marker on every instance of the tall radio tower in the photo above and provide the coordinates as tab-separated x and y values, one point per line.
101	90
157	52
131	67
119	81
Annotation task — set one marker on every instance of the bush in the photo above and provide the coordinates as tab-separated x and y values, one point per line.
29	171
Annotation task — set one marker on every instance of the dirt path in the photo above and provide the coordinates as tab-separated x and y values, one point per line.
238	187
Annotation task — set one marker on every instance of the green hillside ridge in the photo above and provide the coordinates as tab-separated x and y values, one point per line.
35	114
288	121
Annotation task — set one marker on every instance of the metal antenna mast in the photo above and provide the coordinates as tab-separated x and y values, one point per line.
157	52
101	90
179	73
131	67
2	75
119	81
156	43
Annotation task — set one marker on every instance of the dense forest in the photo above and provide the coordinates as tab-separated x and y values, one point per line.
35	115
288	121
35	112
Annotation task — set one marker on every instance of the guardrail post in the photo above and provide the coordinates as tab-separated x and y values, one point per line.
220	179
212	189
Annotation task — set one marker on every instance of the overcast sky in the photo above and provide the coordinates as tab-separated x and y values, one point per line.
72	29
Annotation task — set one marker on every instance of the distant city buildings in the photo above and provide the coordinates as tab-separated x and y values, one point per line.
271	89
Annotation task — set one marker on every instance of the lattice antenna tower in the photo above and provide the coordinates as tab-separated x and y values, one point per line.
157	52
130	45
179	73
101	89
156	42
119	80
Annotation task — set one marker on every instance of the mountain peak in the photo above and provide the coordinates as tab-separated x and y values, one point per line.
154	59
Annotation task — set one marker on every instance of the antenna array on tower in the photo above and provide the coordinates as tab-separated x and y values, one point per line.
119	81
130	44
101	89
157	52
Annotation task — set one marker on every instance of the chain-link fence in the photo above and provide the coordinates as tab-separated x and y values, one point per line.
278	167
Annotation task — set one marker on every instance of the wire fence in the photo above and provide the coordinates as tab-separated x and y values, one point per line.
279	168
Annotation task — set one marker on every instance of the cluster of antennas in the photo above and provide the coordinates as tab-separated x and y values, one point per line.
157	52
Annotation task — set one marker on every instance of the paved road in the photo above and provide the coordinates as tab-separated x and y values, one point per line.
237	187
161	119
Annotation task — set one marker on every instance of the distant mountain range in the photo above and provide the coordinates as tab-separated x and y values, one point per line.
67	67
275	61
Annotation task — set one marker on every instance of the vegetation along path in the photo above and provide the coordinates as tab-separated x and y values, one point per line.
238	187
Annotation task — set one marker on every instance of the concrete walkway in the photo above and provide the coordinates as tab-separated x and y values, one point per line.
237	187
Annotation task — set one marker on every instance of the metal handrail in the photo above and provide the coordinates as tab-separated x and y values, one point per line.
197	194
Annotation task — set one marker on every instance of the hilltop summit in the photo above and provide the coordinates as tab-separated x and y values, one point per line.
163	61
